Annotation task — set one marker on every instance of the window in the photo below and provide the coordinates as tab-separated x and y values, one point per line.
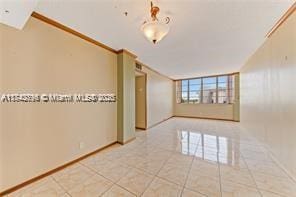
217	89
194	90
209	90
223	89
185	90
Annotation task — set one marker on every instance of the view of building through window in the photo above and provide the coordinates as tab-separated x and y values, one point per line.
217	89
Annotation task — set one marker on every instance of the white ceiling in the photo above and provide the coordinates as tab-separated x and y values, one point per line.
15	13
207	36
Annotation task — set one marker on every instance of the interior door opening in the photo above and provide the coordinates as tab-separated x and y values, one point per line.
141	101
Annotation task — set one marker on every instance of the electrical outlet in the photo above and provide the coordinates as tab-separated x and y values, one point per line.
81	145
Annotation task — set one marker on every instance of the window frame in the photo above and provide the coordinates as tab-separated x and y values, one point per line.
229	88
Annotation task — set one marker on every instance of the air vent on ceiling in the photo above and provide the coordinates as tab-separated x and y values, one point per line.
138	66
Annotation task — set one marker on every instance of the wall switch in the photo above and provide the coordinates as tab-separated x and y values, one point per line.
81	145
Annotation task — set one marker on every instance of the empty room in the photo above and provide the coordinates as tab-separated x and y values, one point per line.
157	98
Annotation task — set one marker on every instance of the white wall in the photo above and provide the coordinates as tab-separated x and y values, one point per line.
36	137
268	96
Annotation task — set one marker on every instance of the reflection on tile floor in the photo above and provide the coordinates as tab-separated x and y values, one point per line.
180	157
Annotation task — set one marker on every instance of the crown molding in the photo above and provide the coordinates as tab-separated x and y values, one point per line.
288	13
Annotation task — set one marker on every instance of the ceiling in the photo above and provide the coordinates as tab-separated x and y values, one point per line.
16	12
207	37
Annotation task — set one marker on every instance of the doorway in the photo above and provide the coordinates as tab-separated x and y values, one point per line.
141	101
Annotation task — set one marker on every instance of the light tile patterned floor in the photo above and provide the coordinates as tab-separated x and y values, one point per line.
180	157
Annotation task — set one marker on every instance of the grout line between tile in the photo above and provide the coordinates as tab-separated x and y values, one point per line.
190	166
148	186
251	174
107	189
91	169
220	179
155	175
114	183
125	189
60	185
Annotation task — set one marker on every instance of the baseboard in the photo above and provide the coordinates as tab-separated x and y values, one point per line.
128	141
159	122
19	186
191	117
206	118
141	128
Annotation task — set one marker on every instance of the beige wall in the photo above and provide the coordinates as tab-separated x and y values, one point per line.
217	111
126	97
159	97
35	138
268	96
140	102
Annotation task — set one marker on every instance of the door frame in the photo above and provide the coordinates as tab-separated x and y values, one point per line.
145	77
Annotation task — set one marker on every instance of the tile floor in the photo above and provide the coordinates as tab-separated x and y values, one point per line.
180	157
